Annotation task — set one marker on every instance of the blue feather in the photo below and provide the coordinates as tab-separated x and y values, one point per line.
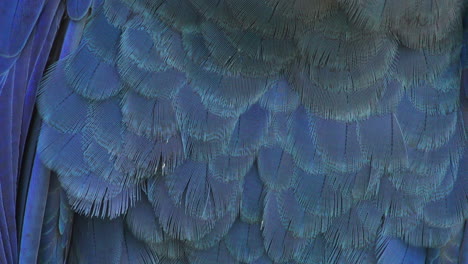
414	67
5	254
304	10
170	249
297	220
200	150
93	196
19	19
143	223
57	226
263	260
438	160
136	252
101	37
52	147
382	140
424	235
148	156
428	187
250	131
451	209
390	99
357	228
200	194
424	131
162	83
355	78
219	13
275	167
101	163
167	41
31	233
438	33
352	255
268	50
143	5
381	97
226	56
464	246
172	218
337	144
395	251
336	43
42	40
261	132
58	105
219	231
88	193
196	121
44	34
300	141
362	184
117	12
395	203
214	255
263	19
107	127
244	241
90	77
77	9
179	14
99	241
449	253
313	252
279	243
280	97
152	118
6	63
440	96
251	205
316	195
228	168
137	46
235	91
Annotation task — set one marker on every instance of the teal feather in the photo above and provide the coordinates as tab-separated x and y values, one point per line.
192	187
384	129
101	37
85	72
152	118
280	244
259	132
300	222
172	218
250	131
214	255
58	105
137	46
244	242
117	12
275	167
228	168
251	204
218	233
423	130
142	222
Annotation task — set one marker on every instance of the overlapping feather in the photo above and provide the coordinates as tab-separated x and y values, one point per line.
263	131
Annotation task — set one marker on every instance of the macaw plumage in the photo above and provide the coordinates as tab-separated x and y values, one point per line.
233	131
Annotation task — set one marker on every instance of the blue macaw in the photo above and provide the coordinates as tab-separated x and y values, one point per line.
233	131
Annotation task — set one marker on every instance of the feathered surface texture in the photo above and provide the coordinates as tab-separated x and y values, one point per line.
266	131
27	32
